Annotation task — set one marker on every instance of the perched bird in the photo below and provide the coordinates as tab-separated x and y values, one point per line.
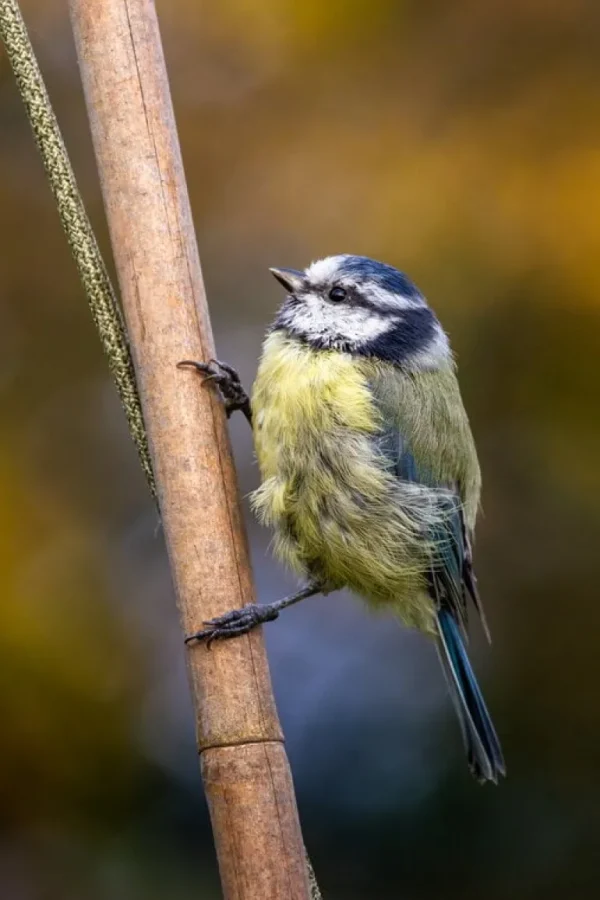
370	476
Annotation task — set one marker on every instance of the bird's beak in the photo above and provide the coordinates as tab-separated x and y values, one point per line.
291	279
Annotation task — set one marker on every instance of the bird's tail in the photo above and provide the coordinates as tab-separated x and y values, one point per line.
483	747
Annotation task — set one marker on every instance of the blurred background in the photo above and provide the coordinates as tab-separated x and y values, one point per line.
459	141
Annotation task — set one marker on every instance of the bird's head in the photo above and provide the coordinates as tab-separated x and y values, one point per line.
357	305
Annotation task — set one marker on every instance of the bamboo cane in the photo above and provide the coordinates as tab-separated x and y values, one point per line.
244	764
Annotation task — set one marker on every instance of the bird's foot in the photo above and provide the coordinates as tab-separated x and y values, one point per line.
241	621
234	623
228	382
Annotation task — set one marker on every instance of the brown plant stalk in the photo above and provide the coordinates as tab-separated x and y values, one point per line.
244	764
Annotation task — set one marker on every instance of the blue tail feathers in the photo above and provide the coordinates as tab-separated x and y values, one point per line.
483	747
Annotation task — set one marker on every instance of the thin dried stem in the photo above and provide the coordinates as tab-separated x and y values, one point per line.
92	271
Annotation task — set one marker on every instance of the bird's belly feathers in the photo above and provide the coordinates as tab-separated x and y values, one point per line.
329	495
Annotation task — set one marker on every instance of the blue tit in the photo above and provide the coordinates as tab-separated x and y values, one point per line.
370	478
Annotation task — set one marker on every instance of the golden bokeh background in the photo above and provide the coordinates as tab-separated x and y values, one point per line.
459	141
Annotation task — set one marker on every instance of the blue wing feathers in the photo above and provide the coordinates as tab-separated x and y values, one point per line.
451	581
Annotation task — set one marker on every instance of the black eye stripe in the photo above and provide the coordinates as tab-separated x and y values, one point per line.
357	296
354	298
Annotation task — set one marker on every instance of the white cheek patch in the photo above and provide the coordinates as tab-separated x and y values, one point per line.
316	318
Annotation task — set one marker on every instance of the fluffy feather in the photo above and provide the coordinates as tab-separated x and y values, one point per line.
339	510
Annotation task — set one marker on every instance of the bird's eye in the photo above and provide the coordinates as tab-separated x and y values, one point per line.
337	294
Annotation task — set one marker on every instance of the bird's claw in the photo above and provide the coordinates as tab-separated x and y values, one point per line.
234	623
227	380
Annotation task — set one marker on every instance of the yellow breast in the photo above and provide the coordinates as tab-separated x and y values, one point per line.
333	505
313	416
301	395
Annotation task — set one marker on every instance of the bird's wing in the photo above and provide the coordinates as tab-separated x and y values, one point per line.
451	576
